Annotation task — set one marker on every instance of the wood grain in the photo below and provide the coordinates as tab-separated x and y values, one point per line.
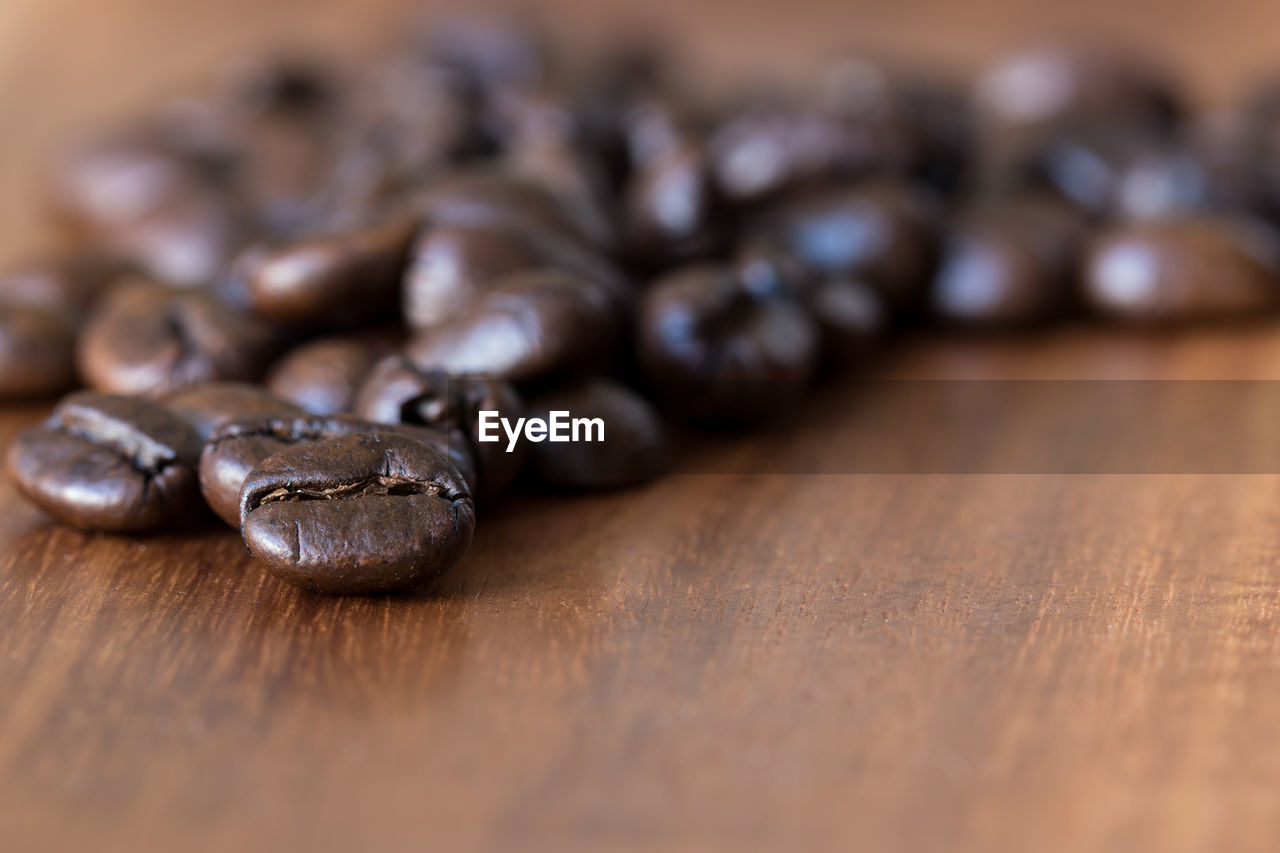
733	660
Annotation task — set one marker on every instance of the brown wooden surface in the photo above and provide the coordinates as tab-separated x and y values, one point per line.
727	661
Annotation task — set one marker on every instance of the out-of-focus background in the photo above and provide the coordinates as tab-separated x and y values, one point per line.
71	64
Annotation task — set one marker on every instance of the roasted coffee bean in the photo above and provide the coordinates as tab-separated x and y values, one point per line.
765	148
493	51
453	264
210	405
357	514
720	353
633	449
1009	263
881	232
396	391
108	462
1178	270
236	447
322	376
852	316
334	279
1125	174
1062	85
37	351
670	206
484	196
148	339
67	284
528	326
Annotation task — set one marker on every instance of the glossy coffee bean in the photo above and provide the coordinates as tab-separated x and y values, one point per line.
720	353
1073	85
1179	270
322	376
851	315
453	264
108	462
37	351
236	447
1125	174
1009	263
671	206
357	514
334	279
528	326
68	283
634	449
210	405
396	391
882	232
147	339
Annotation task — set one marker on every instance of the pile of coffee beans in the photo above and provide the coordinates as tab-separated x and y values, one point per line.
292	297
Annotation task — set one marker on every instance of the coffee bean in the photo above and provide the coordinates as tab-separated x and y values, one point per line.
720	353
322	376
670	206
37	351
634	449
1178	270
453	264
1059	85
334	279
357	514
210	405
147	339
882	232
236	447
396	391
528	326
67	284
1009	263
108	462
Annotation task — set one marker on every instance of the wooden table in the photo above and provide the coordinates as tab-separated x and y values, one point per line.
741	661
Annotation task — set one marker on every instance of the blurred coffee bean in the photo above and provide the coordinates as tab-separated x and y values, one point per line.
284	84
494	51
148	339
720	353
1010	262
357	514
332	280
851	315
68	283
322	376
210	405
1178	270
882	232
669	206
37	351
108	462
453	264
769	146
633	449
398	392
527	326
1062	85
1125	174
236	447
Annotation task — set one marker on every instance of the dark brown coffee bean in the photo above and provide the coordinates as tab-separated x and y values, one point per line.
633	449
236	447
107	462
37	351
1010	263
527	326
357	514
670	206
1178	270
210	405
711	347
453	264
880	232
322	376
335	279
147	339
1059	85
398	392
68	284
